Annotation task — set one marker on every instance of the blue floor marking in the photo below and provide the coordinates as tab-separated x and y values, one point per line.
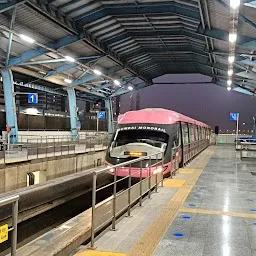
185	217
253	210
178	234
192	205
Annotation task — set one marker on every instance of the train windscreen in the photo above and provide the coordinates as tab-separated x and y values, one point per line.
133	143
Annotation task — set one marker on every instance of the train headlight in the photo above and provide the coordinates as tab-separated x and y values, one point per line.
158	170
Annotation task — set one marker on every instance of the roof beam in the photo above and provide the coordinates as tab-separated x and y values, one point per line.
132	9
10	4
28	55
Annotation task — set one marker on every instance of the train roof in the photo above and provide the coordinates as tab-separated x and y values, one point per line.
156	116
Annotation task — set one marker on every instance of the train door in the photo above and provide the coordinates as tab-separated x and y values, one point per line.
185	142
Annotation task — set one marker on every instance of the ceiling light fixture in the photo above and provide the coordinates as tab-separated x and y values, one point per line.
231	59
68	58
27	39
116	82
234	3
97	72
232	37
230	72
68	81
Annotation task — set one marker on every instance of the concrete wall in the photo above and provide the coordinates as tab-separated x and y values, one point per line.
24	135
14	176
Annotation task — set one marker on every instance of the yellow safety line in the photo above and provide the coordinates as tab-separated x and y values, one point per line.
232	214
97	253
151	238
173	183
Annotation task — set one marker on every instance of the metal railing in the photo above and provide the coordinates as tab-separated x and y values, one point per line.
107	211
247	150
13	229
193	148
51	146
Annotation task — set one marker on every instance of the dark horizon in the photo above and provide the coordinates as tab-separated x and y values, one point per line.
205	101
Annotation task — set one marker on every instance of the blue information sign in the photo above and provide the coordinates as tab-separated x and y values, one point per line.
233	116
101	114
33	98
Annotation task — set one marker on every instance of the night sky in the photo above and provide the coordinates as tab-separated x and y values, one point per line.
208	103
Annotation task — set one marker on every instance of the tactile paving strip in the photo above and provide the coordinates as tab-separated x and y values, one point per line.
151	238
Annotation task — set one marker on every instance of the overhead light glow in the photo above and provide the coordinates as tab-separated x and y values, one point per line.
27	39
130	88
68	81
234	3
231	59
97	72
68	58
229	88
232	37
116	82
229	82
31	111
230	72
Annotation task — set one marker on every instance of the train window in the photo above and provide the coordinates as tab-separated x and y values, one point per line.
196	132
185	133
191	133
145	141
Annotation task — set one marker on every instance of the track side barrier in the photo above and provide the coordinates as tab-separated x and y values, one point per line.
121	202
4	230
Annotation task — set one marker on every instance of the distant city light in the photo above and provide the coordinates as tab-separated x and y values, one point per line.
228	88
68	58
229	82
130	88
27	39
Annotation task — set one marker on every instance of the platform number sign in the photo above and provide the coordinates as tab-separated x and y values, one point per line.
101	114
233	116
33	98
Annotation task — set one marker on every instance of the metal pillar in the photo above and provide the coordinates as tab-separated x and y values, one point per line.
72	111
254	127
109	115
10	106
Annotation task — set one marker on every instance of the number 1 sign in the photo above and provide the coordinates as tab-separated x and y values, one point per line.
33	98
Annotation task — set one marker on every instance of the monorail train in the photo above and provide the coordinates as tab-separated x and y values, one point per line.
148	131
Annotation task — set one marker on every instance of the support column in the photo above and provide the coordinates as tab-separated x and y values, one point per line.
72	111
109	115
10	106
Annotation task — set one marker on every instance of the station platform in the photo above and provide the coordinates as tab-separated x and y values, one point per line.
208	209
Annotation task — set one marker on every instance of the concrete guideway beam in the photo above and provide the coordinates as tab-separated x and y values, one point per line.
10	105
72	111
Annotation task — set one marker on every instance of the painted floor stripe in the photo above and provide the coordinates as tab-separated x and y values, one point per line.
186	171
151	238
96	253
174	183
232	214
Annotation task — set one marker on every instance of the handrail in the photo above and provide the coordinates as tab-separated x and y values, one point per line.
14	201
127	163
116	195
